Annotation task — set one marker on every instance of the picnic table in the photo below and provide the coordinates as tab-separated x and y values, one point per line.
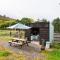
18	41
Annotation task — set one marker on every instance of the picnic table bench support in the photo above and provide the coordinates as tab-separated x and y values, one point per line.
10	43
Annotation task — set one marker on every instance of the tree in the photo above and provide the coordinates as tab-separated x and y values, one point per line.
26	21
17	20
56	24
43	20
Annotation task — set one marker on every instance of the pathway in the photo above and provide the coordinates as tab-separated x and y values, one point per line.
30	51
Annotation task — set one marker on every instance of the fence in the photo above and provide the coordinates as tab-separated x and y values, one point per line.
57	37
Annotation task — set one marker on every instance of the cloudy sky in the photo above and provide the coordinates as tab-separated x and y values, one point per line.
35	9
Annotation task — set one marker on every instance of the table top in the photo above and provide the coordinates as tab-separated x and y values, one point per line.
19	39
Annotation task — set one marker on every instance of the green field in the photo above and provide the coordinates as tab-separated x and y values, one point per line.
6	54
5	35
52	55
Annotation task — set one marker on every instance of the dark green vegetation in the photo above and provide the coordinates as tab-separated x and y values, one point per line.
4	53
56	24
54	54
6	21
56	45
26	21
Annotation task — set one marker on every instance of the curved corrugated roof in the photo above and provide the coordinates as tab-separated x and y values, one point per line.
19	26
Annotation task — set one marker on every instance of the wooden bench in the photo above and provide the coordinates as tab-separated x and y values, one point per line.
19	43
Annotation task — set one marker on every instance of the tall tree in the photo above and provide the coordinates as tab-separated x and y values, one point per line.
17	20
44	20
26	21
56	24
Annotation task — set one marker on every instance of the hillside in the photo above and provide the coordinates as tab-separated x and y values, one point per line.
6	21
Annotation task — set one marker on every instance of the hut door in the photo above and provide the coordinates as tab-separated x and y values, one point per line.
35	34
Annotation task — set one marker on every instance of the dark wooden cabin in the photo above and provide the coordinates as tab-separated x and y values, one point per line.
39	32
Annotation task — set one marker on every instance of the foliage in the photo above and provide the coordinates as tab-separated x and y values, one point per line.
52	55
56	24
56	45
6	21
4	53
43	20
26	21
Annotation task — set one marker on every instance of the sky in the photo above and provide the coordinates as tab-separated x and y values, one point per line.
36	9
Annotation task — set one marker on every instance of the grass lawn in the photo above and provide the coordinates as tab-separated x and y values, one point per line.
6	54
5	35
52	55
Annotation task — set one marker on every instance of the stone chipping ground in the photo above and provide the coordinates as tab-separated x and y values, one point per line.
32	52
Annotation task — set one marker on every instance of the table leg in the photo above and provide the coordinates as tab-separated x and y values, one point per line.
27	43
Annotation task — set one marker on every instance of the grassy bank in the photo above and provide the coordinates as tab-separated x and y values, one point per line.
54	54
6	54
5	34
